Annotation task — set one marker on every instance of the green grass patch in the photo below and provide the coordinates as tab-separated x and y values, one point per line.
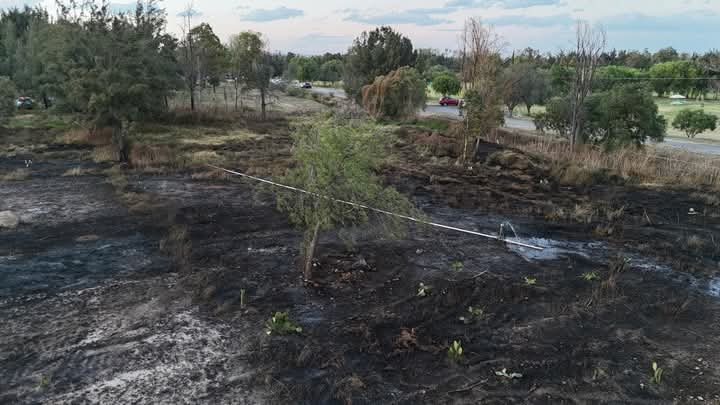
41	120
521	112
434	124
670	111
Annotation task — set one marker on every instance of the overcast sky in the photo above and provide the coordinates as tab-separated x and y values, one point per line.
317	26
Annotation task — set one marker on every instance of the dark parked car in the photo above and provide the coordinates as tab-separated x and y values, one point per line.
24	103
306	85
449	101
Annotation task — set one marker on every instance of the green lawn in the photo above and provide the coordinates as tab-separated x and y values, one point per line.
670	111
40	119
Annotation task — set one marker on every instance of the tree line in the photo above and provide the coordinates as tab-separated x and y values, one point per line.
118	68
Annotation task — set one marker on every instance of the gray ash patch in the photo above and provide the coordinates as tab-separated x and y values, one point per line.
120	342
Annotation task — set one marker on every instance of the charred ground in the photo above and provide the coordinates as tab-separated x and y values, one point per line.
124	284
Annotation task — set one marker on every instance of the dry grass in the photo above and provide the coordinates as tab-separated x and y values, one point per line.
117	178
84	136
615	215
155	157
15	175
75	172
694	243
557	214
510	160
586	165
604	230
587	213
712	200
607	289
210	175
204	156
584	213
177	246
219	139
107	153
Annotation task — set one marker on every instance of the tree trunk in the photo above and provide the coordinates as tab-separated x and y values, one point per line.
237	94
225	98
310	252
466	136
529	107
119	134
263	105
192	98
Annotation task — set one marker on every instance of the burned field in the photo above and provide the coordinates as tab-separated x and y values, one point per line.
155	282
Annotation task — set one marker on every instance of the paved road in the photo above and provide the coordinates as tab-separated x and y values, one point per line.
326	91
692	146
452	112
516	123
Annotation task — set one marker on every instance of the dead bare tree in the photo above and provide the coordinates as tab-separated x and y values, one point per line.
480	59
187	54
590	44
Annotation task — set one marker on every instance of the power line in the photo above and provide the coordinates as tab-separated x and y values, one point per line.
384	212
657	78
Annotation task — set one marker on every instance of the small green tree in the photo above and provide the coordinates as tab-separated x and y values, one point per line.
336	161
434	71
446	84
624	115
331	71
374	54
119	67
556	117
244	50
694	122
510	89
399	94
7	99
534	88
211	57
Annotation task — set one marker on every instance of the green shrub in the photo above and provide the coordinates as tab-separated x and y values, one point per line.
398	94
694	122
455	352
281	324
7	99
446	84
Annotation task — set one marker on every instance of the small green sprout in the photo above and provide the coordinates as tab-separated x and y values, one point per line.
424	290
591	276
281	324
457	265
455	352
242	298
43	382
530	281
474	314
657	374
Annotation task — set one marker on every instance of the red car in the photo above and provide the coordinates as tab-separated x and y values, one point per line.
449	101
